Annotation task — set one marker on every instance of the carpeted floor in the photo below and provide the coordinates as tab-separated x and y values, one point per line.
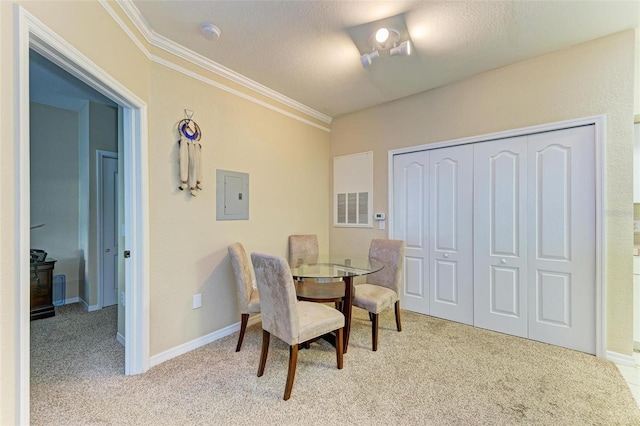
434	372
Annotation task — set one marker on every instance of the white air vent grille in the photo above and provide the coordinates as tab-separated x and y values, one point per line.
353	208
352	187
342	208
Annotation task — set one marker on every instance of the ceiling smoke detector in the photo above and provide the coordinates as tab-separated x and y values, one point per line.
210	31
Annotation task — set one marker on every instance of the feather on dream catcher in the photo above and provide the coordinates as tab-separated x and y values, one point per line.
190	155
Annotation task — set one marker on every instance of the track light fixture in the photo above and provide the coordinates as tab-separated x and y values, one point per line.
367	58
404	49
385	39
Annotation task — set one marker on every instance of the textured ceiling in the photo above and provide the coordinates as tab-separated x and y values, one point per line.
310	51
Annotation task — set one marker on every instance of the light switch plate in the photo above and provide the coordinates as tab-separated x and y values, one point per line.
197	301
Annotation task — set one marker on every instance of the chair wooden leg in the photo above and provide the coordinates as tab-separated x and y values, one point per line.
263	354
374	331
339	351
293	360
398	322
243	326
370	316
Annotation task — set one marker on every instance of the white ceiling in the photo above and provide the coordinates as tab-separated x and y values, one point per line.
310	51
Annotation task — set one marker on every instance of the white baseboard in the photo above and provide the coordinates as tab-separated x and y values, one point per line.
72	300
89	308
120	339
621	359
196	343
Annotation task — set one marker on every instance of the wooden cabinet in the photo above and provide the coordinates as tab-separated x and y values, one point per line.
42	289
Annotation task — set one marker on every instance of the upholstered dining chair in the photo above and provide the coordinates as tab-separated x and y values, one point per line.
290	320
382	289
248	296
304	248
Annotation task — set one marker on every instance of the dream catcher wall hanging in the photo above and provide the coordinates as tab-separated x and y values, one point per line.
190	154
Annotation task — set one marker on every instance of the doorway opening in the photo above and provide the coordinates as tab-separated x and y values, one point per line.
31	34
69	123
636	237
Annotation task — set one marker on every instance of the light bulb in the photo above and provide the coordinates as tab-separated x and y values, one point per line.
382	35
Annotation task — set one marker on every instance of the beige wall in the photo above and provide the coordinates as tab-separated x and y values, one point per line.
54	189
9	355
287	160
636	91
586	80
103	136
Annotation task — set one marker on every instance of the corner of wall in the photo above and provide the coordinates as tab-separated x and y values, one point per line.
636	73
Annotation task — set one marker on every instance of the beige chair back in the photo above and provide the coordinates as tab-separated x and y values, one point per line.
391	254
303	247
242	271
277	297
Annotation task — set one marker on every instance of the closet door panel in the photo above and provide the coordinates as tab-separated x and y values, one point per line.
451	249
500	244
561	235
411	224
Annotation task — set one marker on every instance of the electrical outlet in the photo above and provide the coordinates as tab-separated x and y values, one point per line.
197	301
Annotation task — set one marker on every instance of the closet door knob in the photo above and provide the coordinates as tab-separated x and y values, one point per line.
446	255
503	261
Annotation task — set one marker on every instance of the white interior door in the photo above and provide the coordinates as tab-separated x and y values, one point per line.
561	234
500	236
109	216
411	224
451	233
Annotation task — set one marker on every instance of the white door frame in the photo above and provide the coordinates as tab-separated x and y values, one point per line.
600	185
32	33
100	154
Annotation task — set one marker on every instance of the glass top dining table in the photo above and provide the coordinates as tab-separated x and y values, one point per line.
336	267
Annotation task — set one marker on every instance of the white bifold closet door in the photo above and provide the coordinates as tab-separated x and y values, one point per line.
432	196
451	233
561	233
411	224
500	236
534	237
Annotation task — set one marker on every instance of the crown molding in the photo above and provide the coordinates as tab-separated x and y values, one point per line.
105	4
235	92
180	51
